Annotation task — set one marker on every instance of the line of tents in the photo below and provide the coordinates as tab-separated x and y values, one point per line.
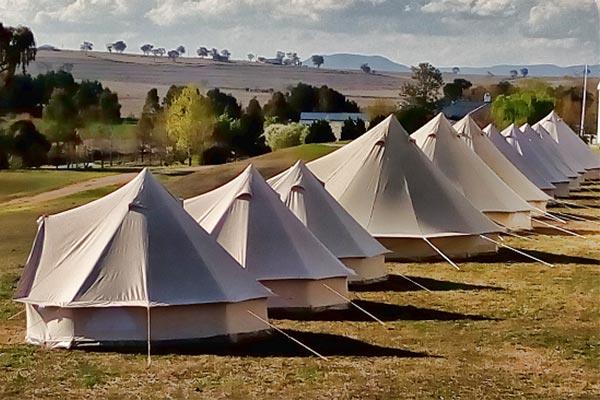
140	266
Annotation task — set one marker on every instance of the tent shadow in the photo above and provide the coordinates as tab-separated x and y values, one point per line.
396	283
383	311
274	344
508	256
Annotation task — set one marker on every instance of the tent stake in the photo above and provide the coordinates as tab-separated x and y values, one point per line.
287	335
441	254
517	251
149	361
16	315
416	283
354	304
559	228
547	214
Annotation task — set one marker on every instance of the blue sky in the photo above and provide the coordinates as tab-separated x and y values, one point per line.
444	32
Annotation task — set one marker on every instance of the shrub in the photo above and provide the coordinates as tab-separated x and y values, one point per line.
279	136
319	132
215	155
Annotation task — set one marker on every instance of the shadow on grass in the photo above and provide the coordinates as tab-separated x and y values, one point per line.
383	311
508	256
396	283
270	344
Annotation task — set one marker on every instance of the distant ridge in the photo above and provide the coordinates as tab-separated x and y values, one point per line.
348	61
354	61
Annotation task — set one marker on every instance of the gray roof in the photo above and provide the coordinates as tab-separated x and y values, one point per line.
317	116
459	109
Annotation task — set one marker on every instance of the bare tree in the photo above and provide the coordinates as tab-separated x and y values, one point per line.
109	47
251	57
86	46
202	52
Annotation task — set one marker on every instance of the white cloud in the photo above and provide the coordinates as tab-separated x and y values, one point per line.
481	8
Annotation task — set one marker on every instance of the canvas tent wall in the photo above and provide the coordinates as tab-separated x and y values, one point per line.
512	154
101	272
470	174
478	141
249	220
513	136
306	197
390	187
550	156
571	146
574	164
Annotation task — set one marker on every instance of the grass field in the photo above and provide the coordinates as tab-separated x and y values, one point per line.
20	183
500	328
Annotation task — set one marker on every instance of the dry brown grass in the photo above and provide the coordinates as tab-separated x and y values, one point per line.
502	327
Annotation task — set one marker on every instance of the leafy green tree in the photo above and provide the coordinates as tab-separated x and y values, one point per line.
29	144
223	103
88	94
17	49
62	120
280	136
149	123
319	132
5	149
352	129
376	120
454	91
303	98
110	109
317	60
278	108
251	126
189	122
424	88
412	117
521	107
173	92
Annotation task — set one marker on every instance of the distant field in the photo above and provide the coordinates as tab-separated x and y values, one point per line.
15	184
500	328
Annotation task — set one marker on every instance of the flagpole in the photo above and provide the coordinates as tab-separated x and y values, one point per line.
582	125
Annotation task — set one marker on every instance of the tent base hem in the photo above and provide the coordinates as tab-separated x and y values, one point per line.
367	269
456	247
68	327
307	294
520	220
562	189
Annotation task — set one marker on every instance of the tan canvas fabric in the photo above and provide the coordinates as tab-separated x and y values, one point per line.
134	247
516	138
307	198
477	140
390	187
571	147
513	155
249	220
548	153
444	146
544	135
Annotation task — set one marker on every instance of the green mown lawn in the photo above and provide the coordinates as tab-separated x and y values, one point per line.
14	184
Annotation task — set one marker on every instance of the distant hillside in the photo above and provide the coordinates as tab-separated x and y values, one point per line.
550	70
345	61
354	61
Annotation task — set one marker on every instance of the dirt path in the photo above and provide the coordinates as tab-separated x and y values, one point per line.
72	189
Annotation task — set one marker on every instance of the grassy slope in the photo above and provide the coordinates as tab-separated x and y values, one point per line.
269	164
14	184
519	330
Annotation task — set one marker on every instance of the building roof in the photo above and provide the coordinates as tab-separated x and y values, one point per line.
460	109
331	117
